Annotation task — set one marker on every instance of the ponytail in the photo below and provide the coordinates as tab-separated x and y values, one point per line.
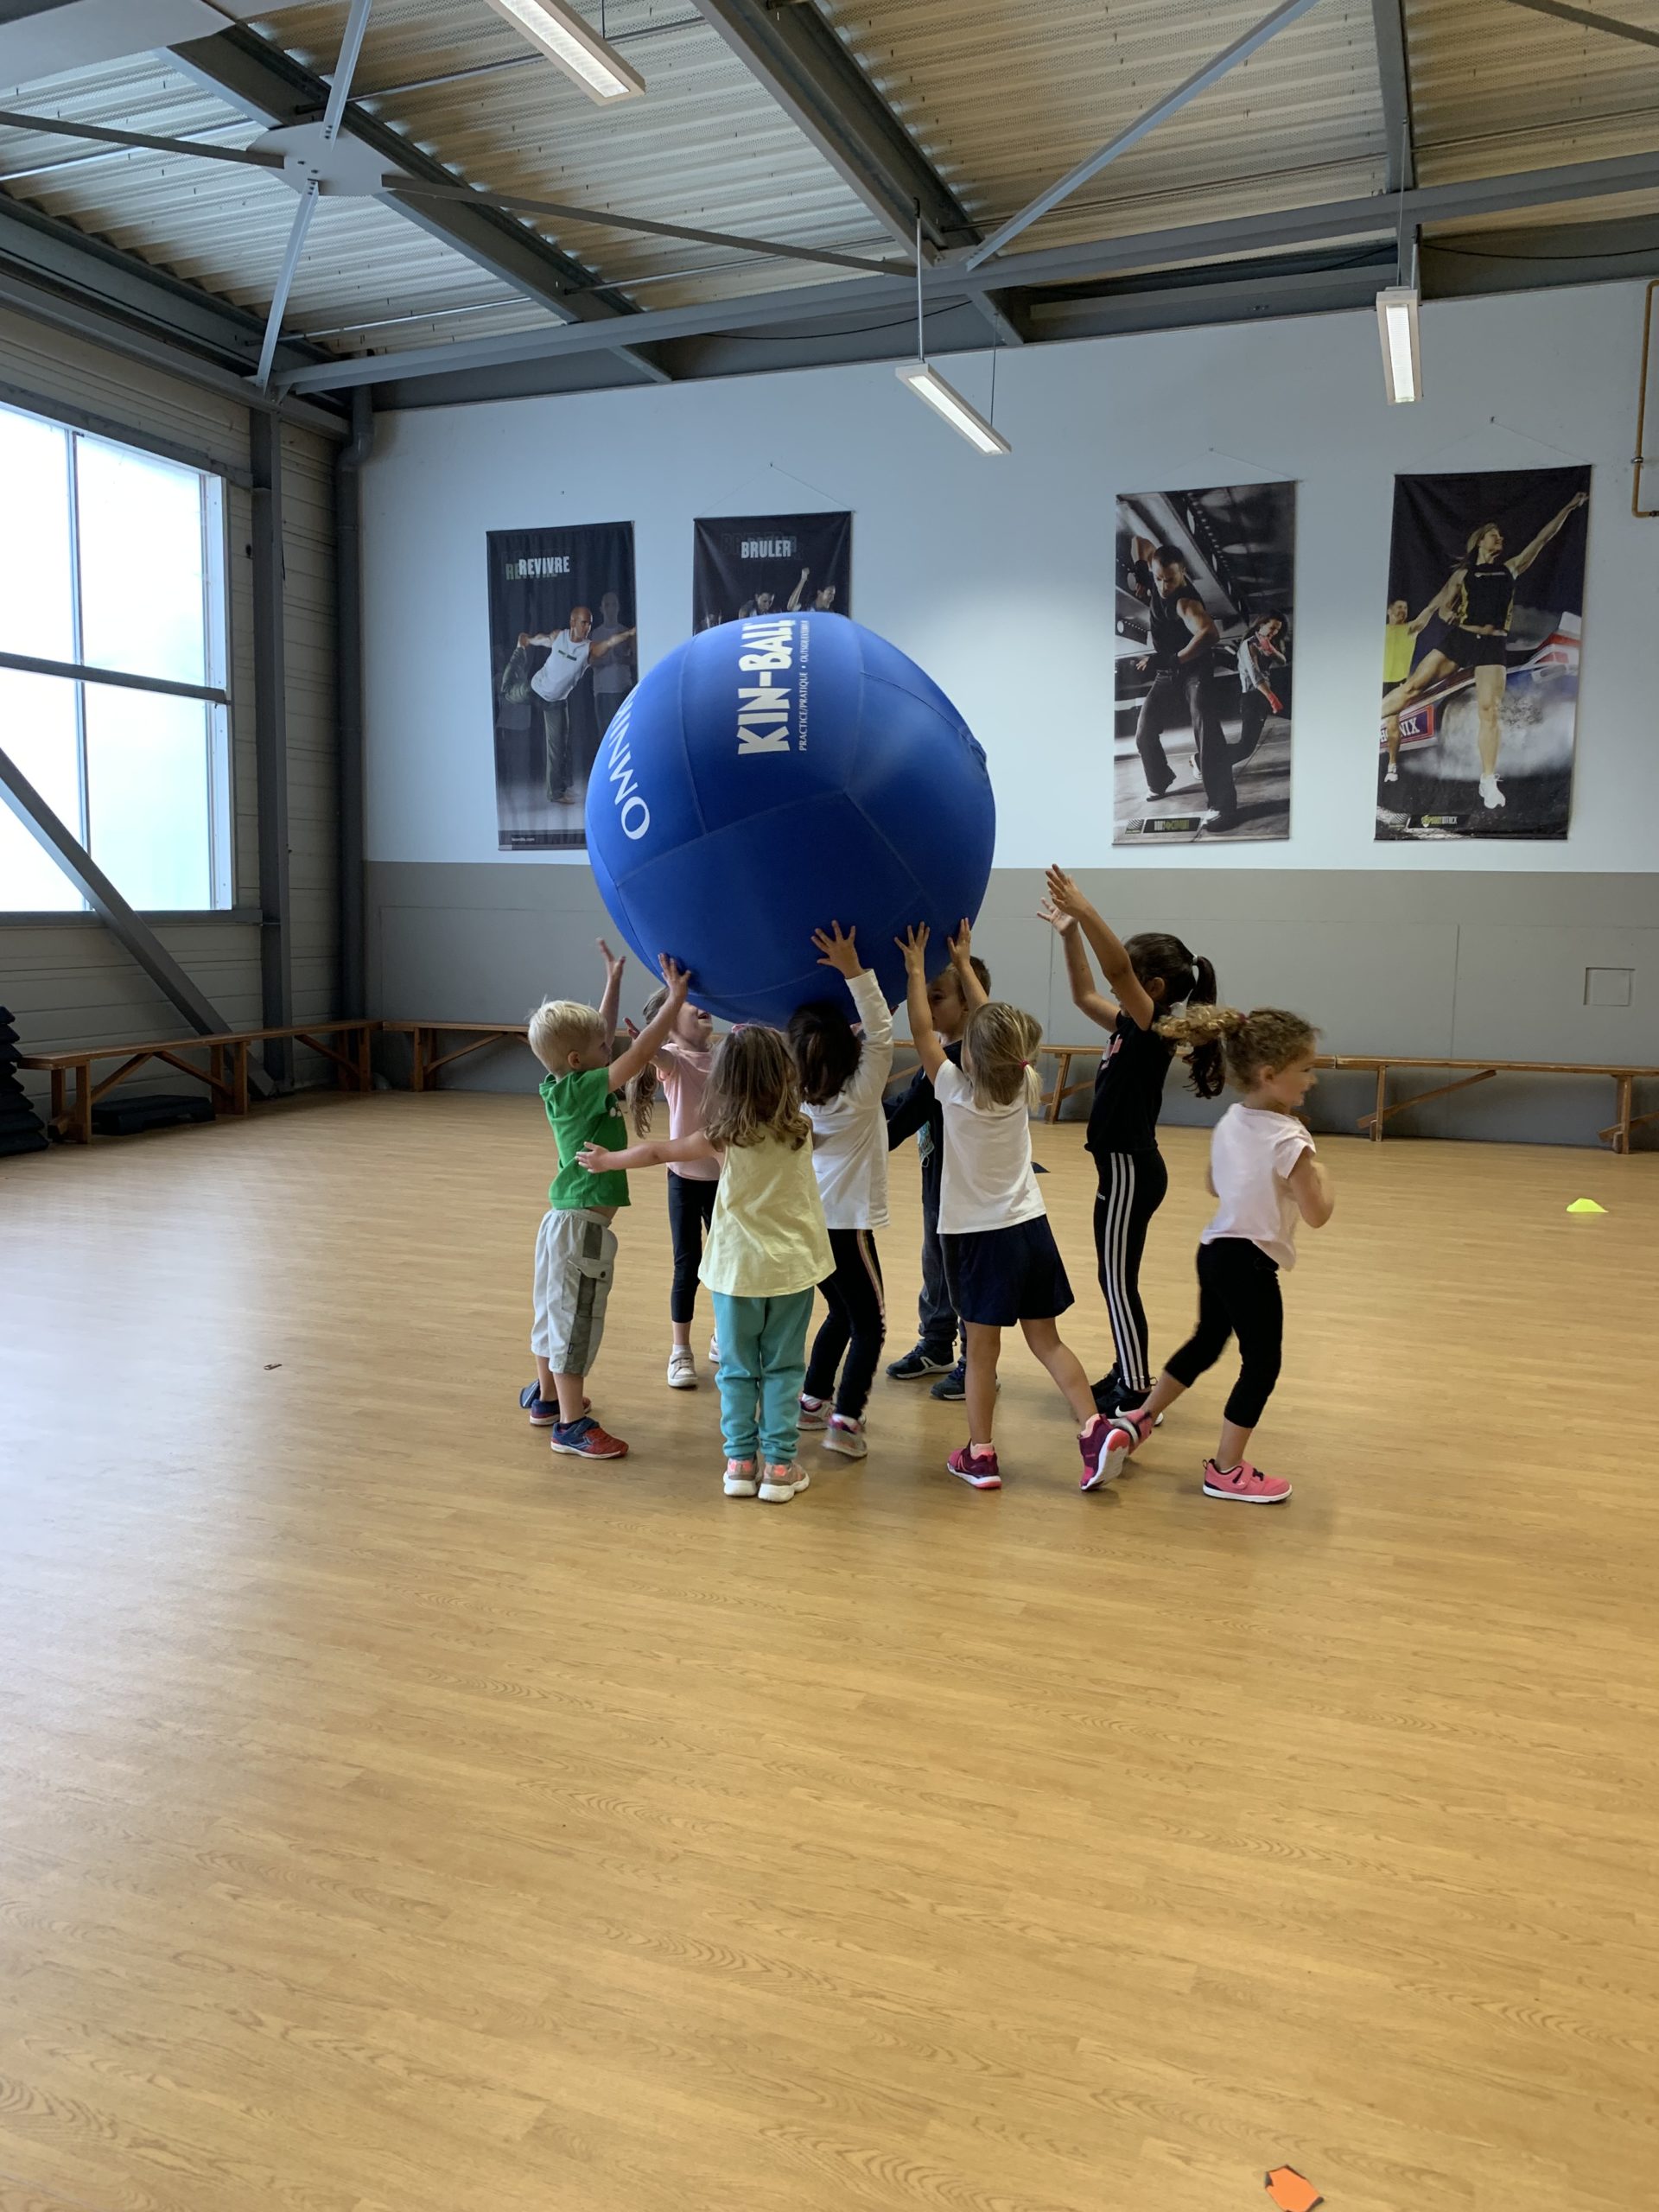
1204	1061
642	1092
1188	980
1266	1038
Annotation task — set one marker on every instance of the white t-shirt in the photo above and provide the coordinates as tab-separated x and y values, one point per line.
560	673
851	1154
986	1180
1252	1154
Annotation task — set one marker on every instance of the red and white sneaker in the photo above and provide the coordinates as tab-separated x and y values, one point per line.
1245	1483
586	1439
815	1412
1113	1440
739	1478
978	1469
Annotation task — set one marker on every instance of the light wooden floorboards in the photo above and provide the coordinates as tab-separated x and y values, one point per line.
394	1818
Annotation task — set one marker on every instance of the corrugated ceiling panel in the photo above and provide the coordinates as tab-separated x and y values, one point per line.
1004	96
1496	88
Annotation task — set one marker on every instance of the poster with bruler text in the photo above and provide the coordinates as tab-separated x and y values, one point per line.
745	565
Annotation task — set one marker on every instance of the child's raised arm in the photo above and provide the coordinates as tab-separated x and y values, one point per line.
611	1001
1108	948
643	1049
973	993
923	1035
1081	977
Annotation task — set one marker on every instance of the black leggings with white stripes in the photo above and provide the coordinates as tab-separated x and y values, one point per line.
1132	1187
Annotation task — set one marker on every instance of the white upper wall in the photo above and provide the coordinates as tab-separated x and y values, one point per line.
997	575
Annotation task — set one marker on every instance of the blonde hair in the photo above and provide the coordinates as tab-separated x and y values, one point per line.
754	1091
1266	1038
999	1043
560	1026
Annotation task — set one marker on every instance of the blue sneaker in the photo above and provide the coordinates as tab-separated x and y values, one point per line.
923	1360
544	1412
953	1385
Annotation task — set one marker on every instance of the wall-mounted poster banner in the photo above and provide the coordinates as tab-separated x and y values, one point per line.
1480	655
770	564
563	659
1201	748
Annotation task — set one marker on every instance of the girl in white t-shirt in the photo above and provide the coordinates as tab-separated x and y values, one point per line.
1001	1260
1263	1176
843	1074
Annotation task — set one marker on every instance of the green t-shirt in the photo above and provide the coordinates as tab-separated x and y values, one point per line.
584	1110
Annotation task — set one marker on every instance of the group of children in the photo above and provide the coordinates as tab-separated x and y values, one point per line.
777	1154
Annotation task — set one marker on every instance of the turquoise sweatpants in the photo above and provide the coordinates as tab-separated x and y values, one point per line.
762	1366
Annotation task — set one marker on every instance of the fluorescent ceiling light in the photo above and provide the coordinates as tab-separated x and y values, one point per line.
927	384
565	37
1402	366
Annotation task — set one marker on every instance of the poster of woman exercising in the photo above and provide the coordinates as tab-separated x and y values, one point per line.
1480	655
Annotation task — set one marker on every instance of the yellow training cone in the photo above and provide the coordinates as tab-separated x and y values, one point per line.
1585	1205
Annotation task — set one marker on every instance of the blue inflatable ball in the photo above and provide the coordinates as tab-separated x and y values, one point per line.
774	775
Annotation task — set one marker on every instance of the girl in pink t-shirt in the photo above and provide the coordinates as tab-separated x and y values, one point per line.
1264	1178
680	1071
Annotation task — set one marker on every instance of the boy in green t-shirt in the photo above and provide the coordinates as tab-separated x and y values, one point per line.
576	1247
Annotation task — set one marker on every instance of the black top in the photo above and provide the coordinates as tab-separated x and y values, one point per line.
1166	625
1488	596
1129	1090
916	1112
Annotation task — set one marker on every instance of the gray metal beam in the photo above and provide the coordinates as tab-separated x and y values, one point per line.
129	929
817	83
1388	20
1284	231
270	743
349	701
1610	24
61	308
272	87
1148	121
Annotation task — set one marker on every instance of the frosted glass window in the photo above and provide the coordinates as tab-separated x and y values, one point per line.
37	728
37	597
148	796
142	547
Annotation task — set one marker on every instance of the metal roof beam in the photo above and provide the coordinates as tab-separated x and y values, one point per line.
817	82
1610	24
273	88
1148	121
1282	231
1388	18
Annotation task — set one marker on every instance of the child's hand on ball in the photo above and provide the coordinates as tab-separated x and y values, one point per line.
961	945
678	979
914	945
837	951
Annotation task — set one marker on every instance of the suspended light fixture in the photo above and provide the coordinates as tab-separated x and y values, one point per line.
1402	364
1397	311
567	38
944	398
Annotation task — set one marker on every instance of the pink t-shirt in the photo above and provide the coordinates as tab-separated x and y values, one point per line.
683	1073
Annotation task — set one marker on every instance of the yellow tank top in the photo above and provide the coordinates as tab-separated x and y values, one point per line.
767	1237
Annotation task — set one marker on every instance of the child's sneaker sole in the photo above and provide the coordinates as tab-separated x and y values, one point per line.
739	1486
781	1493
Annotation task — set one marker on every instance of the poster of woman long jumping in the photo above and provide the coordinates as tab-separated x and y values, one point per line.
1480	655
1205	647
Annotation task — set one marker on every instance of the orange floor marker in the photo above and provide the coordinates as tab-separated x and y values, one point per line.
1291	2191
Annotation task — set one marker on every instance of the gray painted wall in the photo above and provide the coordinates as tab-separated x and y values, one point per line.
1462	964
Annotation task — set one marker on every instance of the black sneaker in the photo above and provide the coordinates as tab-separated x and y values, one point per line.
953	1385
917	1363
1106	1392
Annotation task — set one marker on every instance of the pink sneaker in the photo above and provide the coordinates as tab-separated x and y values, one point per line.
815	1412
1105	1444
1245	1483
780	1480
978	1468
739	1478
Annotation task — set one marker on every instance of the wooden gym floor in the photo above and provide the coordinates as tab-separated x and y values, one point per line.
394	1818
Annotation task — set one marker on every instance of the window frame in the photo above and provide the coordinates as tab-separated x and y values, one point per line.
216	695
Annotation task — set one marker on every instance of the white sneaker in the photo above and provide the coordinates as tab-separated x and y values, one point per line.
815	1412
739	1478
845	1437
779	1484
682	1369
1490	793
714	1353
1393	776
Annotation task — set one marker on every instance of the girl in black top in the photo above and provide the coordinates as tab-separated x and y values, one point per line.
1475	602
1150	974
